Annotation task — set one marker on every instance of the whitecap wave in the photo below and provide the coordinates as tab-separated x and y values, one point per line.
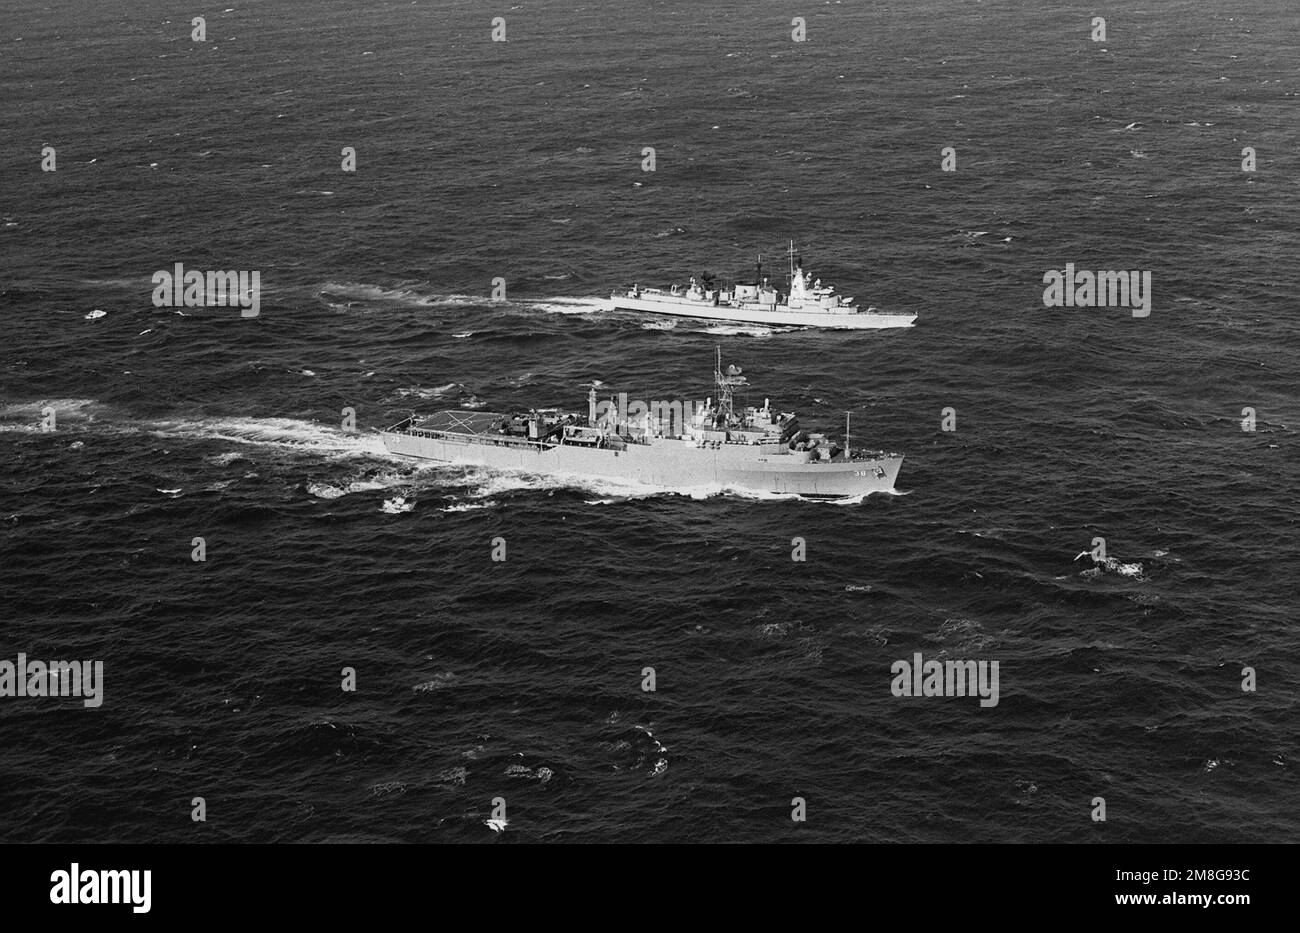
436	682
397	505
441	391
1133	571
327	491
469	506
225	459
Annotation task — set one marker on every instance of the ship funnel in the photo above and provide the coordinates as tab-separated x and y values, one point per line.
591	406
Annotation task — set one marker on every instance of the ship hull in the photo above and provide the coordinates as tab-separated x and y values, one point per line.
666	464
780	316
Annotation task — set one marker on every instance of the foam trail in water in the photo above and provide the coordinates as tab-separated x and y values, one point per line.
567	305
26	417
286	433
415	297
408	295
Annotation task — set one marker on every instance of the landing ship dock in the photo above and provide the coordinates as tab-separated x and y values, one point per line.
715	448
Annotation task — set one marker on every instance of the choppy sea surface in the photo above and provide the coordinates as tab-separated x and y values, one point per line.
522	679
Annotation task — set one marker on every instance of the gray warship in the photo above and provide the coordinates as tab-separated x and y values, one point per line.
708	446
806	303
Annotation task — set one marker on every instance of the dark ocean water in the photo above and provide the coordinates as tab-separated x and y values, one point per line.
522	679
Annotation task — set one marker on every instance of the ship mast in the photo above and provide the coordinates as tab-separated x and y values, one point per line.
848	452
724	388
726	384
